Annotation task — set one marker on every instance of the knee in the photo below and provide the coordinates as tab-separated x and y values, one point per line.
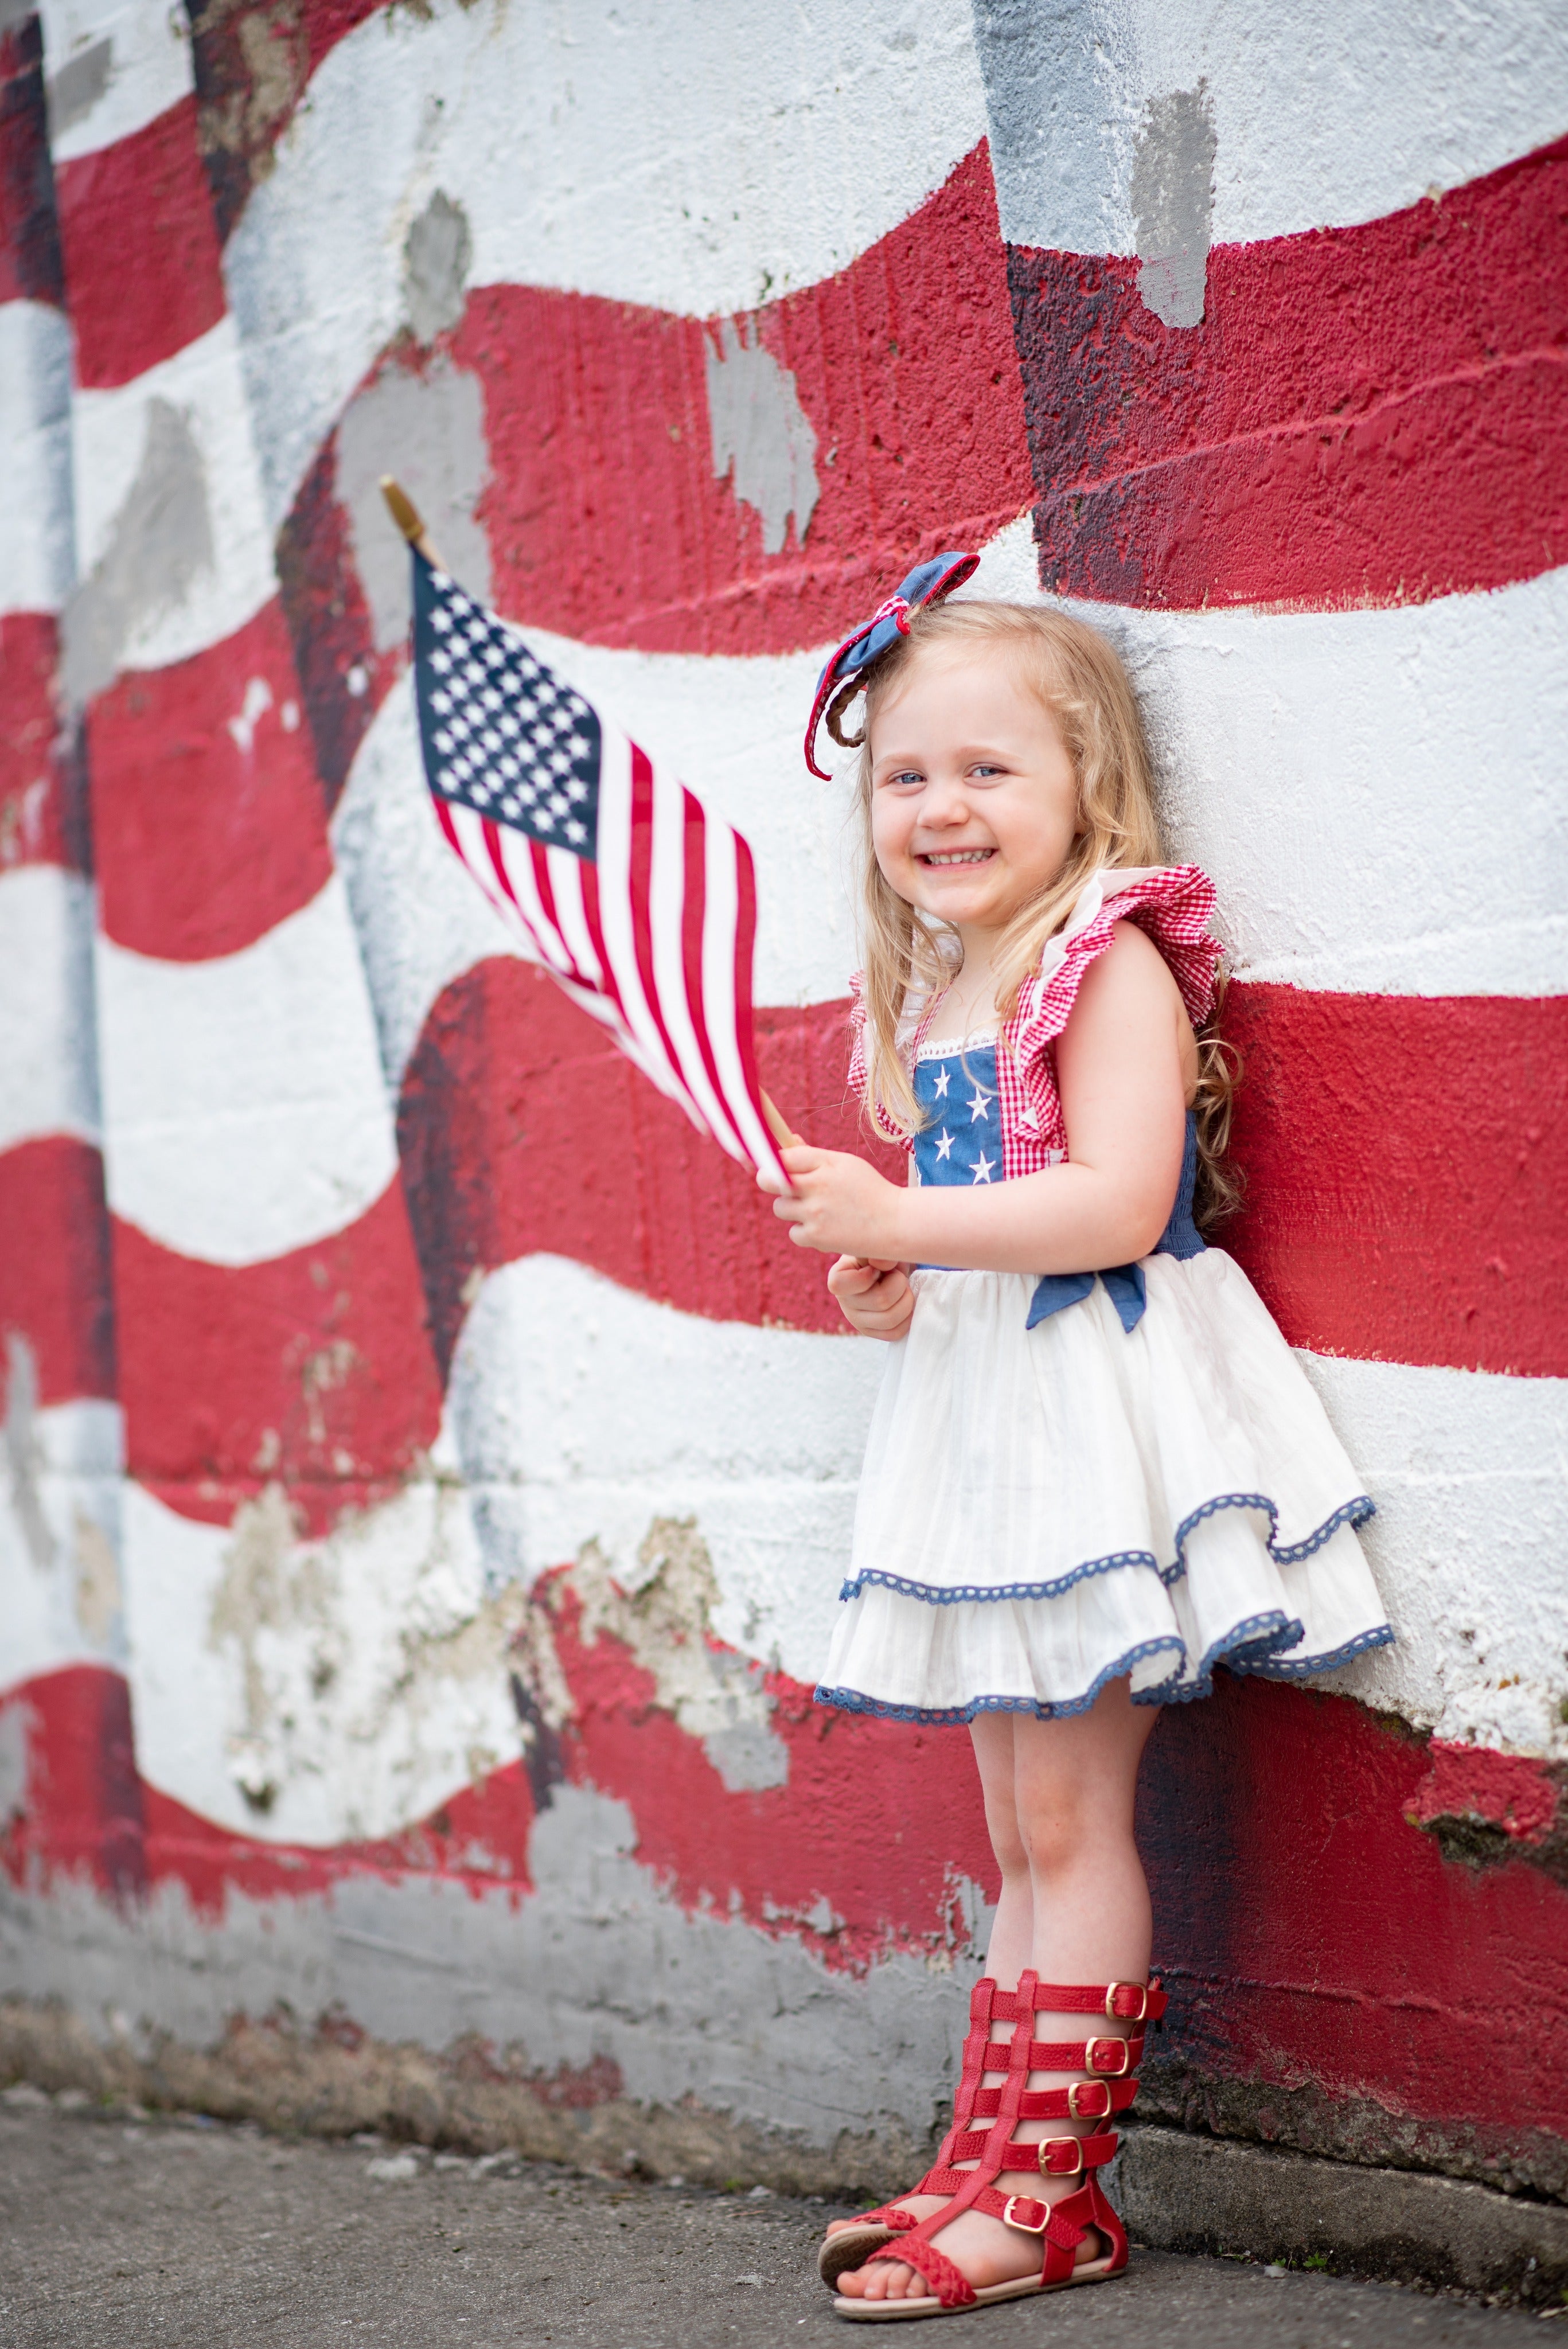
1056	1832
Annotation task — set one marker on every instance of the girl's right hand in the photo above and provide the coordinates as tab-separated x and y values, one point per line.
875	1297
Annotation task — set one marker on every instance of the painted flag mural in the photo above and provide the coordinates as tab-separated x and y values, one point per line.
637	904
427	1469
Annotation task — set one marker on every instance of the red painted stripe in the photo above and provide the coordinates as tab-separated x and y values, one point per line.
29	235
137	214
1407	1159
312	1370
54	1267
209	822
1312	1934
604	518
42	808
1402	1205
507	1079
1367	415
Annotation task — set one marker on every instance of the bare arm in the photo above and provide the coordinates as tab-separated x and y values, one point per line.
1121	1068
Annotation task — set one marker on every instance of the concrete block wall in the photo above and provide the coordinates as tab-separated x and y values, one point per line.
426	1474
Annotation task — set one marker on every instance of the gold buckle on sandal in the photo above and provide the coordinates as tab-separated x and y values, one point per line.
1023	2225
1075	2109
1113	2011
1107	2071
1077	2163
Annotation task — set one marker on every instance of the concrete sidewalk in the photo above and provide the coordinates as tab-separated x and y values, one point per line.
116	2232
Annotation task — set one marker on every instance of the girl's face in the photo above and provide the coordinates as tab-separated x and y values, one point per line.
974	803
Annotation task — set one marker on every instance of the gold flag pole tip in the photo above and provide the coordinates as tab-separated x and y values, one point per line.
402	509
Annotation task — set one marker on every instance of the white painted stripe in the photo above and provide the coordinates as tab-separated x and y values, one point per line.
245	1111
1378	794
113	67
37	551
1322	114
1369	824
59	1528
392	1604
582	1412
696	159
174	443
1470	1473
420	919
49	1078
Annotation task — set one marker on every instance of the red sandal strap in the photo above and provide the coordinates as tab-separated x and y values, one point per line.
1051	2157
1118	2001
1083	2100
891	2214
1106	2055
949	2284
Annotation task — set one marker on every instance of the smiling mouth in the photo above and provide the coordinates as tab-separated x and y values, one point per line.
942	857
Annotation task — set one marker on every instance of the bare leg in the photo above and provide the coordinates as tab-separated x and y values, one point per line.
1074	1906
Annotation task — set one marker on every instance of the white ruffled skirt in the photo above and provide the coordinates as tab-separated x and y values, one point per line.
1043	1510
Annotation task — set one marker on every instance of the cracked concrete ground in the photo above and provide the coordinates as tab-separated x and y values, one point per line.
119	2230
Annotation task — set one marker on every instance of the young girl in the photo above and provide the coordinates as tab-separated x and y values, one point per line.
1095	1470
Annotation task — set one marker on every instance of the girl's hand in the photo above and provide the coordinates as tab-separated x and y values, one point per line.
875	1297
839	1205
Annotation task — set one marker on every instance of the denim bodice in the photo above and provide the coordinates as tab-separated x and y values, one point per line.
961	1143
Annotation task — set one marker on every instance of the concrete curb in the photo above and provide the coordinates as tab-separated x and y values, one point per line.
1183	2193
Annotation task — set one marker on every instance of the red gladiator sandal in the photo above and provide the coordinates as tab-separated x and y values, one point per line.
1110	2064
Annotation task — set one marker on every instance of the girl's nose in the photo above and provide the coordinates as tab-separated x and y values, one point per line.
945	804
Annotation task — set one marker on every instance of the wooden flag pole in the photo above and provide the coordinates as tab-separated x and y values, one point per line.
407	516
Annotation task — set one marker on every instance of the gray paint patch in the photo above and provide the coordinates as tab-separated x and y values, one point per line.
428	430
24	1453
75	90
436	257
1173	203
762	433
599	1960
1055	74
161	543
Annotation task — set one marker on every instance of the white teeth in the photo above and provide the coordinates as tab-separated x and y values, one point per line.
956	856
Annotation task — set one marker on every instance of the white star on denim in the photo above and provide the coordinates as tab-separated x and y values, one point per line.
941	1084
982	1166
979	1105
945	1145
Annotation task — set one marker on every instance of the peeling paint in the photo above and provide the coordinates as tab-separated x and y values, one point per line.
664	1619
428	430
1173	203
160	544
762	435
25	1453
313	1700
437	252
252	64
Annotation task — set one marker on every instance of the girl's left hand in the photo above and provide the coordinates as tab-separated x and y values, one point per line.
839	1205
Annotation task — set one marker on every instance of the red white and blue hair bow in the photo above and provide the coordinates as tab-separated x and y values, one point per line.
927	583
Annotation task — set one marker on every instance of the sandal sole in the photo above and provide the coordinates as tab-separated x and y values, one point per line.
849	2249
895	2311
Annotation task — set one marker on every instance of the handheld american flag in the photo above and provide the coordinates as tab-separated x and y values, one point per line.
612	876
